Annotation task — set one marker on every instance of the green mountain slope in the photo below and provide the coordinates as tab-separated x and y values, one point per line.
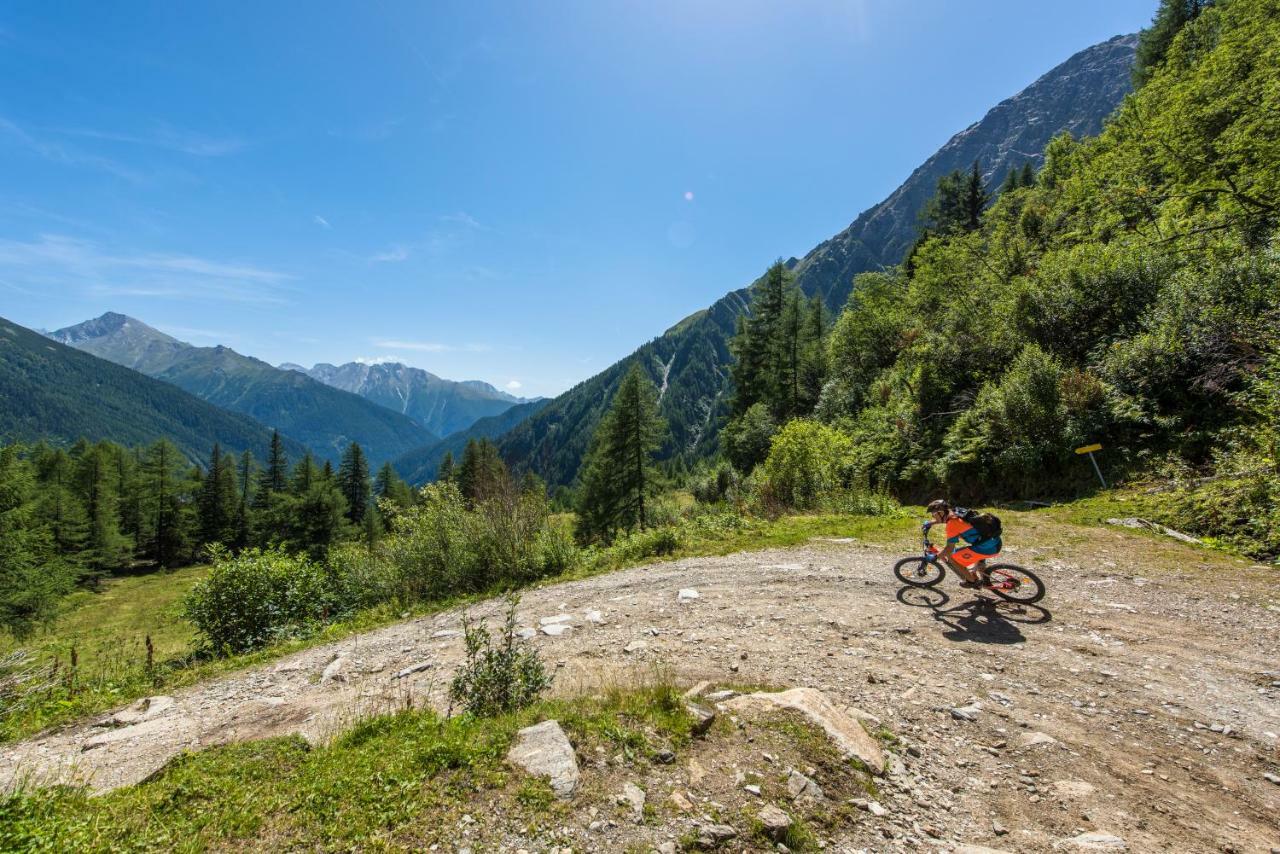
690	361
323	418
442	406
420	466
53	392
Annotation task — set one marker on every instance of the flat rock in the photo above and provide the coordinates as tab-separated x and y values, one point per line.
413	668
635	646
680	802
711	835
1073	788
633	796
978	849
594	617
802	788
143	710
555	630
703	717
445	633
1093	841
687	595
543	750
843	730
967	713
1035	739
774	822
333	672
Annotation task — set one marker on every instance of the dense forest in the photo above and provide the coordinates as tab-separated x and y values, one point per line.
70	516
1127	293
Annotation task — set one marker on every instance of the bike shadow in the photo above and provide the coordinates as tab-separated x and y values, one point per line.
980	620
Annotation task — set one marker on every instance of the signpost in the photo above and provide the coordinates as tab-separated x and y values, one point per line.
1089	449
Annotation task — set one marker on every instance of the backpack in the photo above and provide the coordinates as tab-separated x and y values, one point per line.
986	524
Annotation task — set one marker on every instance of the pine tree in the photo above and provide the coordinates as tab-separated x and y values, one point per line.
216	506
304	475
976	198
390	492
246	478
164	506
757	368
445	473
790	349
353	482
1028	176
619	469
105	548
813	356
59	505
482	474
32	578
1154	41
276	477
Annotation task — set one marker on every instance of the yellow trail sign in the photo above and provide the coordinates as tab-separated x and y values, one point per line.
1088	449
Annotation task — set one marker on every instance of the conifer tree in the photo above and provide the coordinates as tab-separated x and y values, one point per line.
32	578
976	198
105	547
619	470
390	491
446	472
246	477
482	474
304	475
59	505
276	477
1154	41
216	506
353	482
164	507
756	346
1027	178
813	355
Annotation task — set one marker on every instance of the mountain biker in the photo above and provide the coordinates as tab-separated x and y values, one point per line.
967	550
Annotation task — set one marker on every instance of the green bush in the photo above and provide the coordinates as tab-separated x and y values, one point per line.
808	463
259	596
497	677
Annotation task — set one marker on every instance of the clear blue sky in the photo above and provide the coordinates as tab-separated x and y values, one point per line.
516	192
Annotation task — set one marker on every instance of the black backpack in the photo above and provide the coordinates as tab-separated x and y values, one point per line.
986	524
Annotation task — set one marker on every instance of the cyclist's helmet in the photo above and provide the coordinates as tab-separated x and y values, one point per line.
939	506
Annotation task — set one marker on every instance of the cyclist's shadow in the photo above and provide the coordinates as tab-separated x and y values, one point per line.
980	620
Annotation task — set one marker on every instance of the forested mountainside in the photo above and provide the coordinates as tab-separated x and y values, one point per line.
420	466
689	362
441	406
1130	295
55	393
323	418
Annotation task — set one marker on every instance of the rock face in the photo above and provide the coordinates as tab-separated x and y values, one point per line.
843	730
543	750
143	710
690	360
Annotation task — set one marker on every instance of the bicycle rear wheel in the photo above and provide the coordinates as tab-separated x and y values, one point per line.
1015	584
918	572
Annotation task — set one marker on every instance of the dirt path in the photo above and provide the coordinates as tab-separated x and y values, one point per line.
1141	704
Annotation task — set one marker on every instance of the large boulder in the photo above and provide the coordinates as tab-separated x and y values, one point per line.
543	750
844	731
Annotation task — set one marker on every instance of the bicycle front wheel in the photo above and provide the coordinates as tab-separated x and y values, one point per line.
918	572
1015	584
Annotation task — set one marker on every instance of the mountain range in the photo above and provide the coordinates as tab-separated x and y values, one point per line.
689	362
421	465
442	406
52	392
323	418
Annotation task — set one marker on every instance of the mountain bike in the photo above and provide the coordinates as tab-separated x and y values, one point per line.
1009	582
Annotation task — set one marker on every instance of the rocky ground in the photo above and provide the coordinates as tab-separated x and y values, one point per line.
1138	707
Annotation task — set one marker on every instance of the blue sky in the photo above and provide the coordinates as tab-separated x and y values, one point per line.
514	192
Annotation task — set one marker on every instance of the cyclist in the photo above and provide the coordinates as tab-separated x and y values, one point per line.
967	550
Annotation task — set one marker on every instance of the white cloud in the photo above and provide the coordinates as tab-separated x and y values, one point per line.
169	138
462	218
393	255
429	346
320	221
376	360
515	385
58	261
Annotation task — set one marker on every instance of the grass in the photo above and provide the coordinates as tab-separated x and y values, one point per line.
398	781
108	627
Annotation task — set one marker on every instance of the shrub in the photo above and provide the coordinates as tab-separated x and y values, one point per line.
808	463
497	677
259	596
